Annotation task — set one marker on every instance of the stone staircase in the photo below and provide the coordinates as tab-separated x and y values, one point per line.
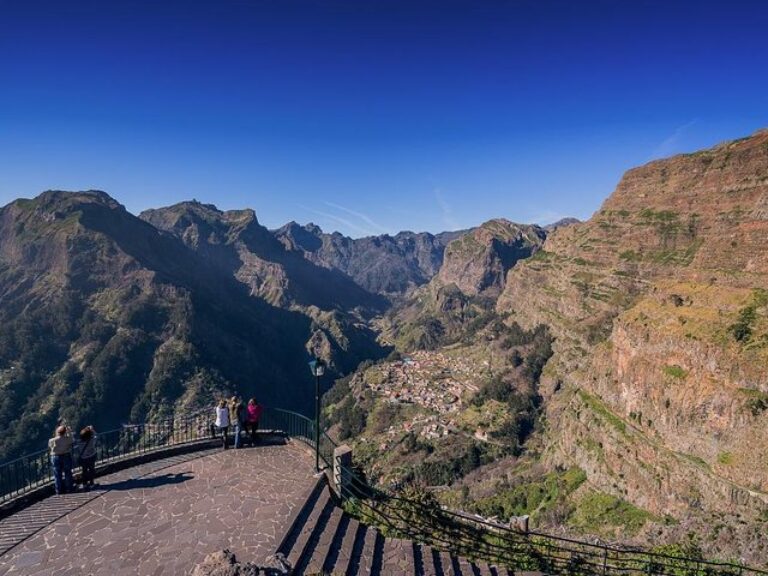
323	539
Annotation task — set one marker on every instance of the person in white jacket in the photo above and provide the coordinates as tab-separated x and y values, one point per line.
222	421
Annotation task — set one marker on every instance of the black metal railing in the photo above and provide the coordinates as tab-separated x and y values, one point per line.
418	517
27	473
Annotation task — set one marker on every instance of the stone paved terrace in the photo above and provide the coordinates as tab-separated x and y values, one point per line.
162	518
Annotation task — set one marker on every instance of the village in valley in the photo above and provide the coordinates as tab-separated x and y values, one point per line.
437	383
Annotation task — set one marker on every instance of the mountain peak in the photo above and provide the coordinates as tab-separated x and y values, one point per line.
182	215
478	261
562	222
65	200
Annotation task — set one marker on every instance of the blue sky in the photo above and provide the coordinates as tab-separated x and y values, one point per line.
370	116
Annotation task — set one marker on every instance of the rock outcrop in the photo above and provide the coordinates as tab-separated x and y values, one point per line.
236	244
472	276
224	563
478	262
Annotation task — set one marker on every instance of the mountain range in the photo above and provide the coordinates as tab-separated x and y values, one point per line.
110	318
606	377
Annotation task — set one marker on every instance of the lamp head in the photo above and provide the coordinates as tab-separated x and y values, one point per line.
317	366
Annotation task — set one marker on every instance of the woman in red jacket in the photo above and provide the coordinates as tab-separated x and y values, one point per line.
252	419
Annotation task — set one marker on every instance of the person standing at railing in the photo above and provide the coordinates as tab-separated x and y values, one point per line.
88	456
61	460
253	417
236	417
222	421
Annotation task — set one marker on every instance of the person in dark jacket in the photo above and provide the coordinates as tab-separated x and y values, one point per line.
88	456
236	417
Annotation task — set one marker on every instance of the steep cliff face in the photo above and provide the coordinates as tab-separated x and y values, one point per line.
381	264
478	262
659	312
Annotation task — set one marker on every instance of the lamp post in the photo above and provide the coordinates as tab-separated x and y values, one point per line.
317	366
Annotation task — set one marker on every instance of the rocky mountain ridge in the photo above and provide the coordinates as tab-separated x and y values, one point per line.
383	264
235	243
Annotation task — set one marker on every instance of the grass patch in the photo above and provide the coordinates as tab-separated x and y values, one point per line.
630	256
532	497
676	257
675	371
601	410
725	458
599	513
541	256
658	216
742	329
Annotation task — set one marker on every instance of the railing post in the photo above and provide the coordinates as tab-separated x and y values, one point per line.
342	465
317	423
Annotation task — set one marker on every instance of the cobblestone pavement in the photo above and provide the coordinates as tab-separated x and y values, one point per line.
28	521
167	520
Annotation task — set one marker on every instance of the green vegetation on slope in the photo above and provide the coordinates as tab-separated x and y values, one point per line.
607	515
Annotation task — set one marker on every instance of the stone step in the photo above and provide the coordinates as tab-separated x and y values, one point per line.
450	564
299	517
325	543
483	569
344	560
336	554
398	558
466	568
355	563
371	555
425	561
298	552
313	547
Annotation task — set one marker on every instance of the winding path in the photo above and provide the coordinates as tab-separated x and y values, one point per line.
163	519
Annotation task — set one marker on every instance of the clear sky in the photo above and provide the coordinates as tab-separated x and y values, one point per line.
370	116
